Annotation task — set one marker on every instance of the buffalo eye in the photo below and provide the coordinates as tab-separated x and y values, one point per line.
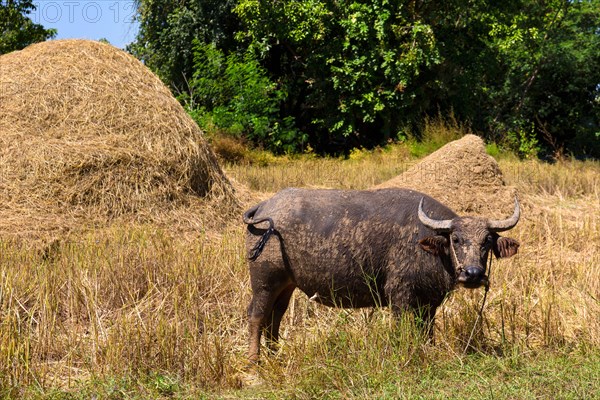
456	239
487	243
489	240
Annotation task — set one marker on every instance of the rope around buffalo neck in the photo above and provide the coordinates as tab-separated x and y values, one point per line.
480	314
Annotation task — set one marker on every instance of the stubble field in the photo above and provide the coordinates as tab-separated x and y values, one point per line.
136	311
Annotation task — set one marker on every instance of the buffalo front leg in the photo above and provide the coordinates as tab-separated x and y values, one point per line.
402	301
423	318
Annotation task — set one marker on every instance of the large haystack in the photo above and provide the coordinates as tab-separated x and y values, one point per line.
463	176
88	134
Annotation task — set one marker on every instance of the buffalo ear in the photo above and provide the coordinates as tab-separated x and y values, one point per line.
434	244
505	247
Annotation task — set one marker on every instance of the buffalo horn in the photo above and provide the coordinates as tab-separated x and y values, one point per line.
441	225
506	224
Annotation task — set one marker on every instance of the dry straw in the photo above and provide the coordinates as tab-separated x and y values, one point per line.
89	135
462	176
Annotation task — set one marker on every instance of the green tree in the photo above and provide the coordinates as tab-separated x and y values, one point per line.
351	68
548	90
169	28
233	93
459	84
17	29
357	73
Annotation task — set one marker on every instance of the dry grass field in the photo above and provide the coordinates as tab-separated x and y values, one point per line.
137	311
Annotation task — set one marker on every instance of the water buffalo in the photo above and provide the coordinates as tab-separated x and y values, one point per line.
344	248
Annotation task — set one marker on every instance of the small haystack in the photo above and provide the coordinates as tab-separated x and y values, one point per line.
463	176
89	134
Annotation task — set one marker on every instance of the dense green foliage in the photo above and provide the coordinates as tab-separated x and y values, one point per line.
169	28
524	73
233	93
17	30
549	90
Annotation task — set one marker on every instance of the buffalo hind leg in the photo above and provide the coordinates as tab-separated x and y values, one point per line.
265	312
260	306
279	308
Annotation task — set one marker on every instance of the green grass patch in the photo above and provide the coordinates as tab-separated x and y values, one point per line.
523	375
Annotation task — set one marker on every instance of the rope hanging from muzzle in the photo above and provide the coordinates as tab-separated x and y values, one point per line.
480	313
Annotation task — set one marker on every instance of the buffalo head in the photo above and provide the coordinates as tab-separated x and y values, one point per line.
467	241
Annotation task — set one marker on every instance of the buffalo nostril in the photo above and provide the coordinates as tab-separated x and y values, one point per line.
474	272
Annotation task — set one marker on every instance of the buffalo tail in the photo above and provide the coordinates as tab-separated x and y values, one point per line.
259	246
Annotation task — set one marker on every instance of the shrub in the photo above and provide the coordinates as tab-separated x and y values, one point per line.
234	94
